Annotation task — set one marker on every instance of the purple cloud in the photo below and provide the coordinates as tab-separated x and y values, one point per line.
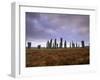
44	26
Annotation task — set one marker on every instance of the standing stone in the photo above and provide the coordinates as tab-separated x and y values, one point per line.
55	43
70	44
65	45
39	46
73	45
82	43
61	42
50	43
76	45
29	44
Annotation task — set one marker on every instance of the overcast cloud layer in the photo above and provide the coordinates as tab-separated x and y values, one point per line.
41	27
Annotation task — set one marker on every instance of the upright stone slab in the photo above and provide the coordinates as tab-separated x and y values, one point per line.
82	43
29	44
39	46
65	45
61	42
51	44
76	45
73	45
55	43
48	44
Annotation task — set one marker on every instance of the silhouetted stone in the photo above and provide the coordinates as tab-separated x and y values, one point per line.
55	43
82	43
50	44
73	45
39	46
61	42
76	45
29	44
70	45
65	45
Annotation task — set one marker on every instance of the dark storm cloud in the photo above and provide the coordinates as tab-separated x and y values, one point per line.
34	29
43	26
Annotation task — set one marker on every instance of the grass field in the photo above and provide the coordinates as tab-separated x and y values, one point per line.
55	57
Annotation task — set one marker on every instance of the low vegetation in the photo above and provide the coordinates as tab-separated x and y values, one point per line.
55	57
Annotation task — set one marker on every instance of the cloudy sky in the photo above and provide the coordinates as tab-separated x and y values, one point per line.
41	27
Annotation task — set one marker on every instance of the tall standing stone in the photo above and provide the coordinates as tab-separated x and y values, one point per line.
82	43
29	44
61	42
73	45
76	45
55	43
39	46
65	45
70	45
50	43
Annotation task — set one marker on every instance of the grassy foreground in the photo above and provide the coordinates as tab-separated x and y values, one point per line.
55	57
